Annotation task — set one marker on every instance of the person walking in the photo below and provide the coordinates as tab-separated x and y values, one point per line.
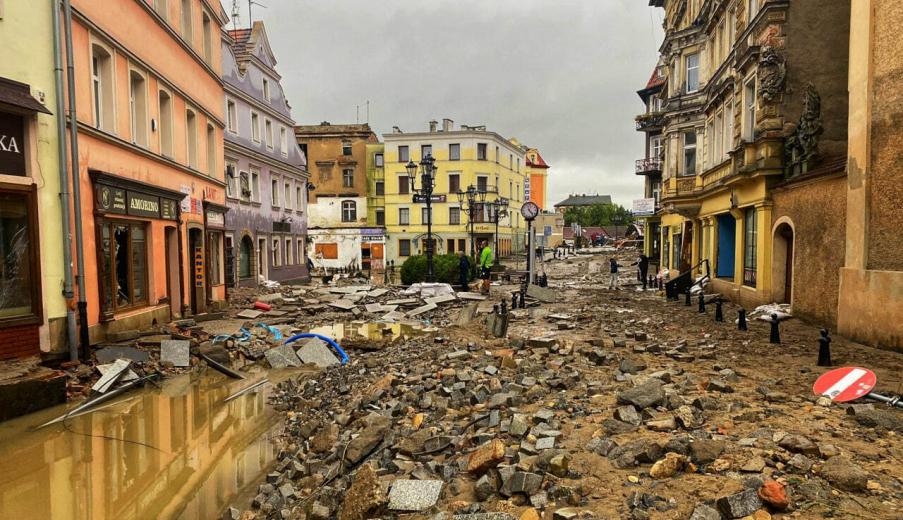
613	281
642	264
463	271
485	267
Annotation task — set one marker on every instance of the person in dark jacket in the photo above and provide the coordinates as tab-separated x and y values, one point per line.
643	266
613	281
463	271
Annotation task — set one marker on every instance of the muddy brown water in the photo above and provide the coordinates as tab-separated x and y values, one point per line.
174	452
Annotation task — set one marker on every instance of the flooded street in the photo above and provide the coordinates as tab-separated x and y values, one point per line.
171	452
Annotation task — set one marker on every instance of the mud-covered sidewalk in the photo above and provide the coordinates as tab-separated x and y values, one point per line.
603	404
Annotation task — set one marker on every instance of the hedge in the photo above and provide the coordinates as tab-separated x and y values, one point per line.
445	269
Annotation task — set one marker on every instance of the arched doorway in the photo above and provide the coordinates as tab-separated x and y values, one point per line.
245	254
782	263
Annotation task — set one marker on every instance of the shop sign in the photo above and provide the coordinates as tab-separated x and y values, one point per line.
198	267
215	219
141	205
111	200
121	201
12	144
168	209
643	207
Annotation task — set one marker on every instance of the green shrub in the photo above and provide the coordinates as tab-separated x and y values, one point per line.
445	269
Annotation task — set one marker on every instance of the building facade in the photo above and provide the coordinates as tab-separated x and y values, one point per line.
340	236
538	173
266	176
650	165
581	201
150	138
751	156
469	156
871	280
32	306
376	185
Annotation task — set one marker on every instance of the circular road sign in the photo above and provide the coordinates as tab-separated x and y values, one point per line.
529	210
845	384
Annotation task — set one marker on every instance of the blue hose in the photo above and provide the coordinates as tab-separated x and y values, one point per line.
327	339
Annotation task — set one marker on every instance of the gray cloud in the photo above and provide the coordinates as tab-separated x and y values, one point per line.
560	75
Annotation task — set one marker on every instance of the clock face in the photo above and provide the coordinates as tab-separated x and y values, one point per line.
529	210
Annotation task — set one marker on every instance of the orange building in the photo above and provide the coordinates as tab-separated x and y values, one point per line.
150	139
538	171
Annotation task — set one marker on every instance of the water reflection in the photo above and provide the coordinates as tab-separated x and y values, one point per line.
204	452
377	331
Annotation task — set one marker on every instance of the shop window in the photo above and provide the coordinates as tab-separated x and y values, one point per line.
165	124
750	235
404	247
102	86
123	252
349	211
19	277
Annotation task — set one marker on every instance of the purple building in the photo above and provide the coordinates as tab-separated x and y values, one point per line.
266	171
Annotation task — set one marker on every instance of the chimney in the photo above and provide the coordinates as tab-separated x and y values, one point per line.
447	125
433	125
396	130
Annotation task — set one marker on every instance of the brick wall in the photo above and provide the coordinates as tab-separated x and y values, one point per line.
21	341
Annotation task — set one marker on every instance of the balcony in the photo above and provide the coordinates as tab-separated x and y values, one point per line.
648	166
650	122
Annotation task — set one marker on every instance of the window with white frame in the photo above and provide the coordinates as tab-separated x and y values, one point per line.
298	204
283	141
349	211
346	148
255	184
138	107
231	116
719	137
404	216
165	107
378	160
692	66
348	178
425	216
266	90
454	216
269	133
288	251
655	147
274	192
287	195
277	253
255	127
191	135
689	153
749	109
728	126
231	174
102	86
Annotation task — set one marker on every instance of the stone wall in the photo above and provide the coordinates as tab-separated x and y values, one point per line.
816	210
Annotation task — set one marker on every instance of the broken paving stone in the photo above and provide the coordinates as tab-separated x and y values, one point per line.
422	309
545	443
567	513
704	512
845	474
525	482
705	451
345	305
739	504
798	444
628	414
486	456
316	352
414	495
110	354
643	396
543	294
282	357
175	351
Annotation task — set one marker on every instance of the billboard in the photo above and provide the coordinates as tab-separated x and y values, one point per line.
643	207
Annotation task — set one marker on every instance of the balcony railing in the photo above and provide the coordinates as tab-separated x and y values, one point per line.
649	121
648	165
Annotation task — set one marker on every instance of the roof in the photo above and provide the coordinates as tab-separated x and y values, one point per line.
539	163
18	95
584	200
656	82
327	129
244	42
240	37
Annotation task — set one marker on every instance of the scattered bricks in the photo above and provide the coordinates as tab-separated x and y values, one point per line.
740	504
486	456
485	487
773	494
543	415
525	482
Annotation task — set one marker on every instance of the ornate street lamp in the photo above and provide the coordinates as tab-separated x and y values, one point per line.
475	199
499	211
425	195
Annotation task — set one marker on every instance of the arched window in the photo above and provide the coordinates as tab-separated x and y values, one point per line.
165	124
349	211
191	133
246	253
102	87
211	150
138	107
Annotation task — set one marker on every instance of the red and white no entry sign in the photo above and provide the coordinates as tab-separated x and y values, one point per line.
845	384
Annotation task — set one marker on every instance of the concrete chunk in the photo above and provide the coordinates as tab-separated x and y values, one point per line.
316	352
176	351
414	495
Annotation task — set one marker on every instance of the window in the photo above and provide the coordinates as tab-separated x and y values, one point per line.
404	247
728	126
274	192
451	247
719	137
380	217
277	253
753	9
288	251
380	188
186	21
303	148
327	251
497	155
349	211
19	287
481	151
298	205
425	216
403	154
454	152
230	179
482	183
244	186
510	162
211	150
749	247
404	216
462	244
346	148
255	127
403	188
165	124
102	83
749	109
283	141
123	280
454	183
255	185
266	90
454	216
138	108
692	72
378	160
347	178
518	165
689	153
208	38
191	134
709	156
426	149
269	133
287	195
161	8
655	147
231	116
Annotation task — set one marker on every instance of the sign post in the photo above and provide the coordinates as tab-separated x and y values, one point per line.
529	211
850	383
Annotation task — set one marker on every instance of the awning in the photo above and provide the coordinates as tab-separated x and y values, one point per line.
17	96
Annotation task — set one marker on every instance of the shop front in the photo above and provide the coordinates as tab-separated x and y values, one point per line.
215	224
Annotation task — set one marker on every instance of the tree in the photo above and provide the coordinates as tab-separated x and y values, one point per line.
597	215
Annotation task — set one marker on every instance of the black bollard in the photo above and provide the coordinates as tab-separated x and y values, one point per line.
514	300
824	349
701	303
719	315
688	301
741	322
775	336
523	303
504	309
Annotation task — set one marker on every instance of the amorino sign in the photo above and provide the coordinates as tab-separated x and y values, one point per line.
124	199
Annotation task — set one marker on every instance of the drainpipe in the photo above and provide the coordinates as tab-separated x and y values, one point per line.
68	292
76	185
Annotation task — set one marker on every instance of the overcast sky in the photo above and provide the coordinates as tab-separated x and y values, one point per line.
560	75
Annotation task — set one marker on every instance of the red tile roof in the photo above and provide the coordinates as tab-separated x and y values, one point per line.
655	80
539	163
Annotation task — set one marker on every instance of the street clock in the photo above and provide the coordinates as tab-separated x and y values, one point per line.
529	210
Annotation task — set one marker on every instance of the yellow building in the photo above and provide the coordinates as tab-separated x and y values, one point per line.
469	156
376	185
32	306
